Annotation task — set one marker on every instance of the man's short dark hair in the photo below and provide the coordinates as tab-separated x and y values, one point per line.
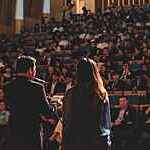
24	63
124	97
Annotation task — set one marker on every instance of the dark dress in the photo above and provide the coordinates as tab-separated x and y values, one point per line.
26	101
86	122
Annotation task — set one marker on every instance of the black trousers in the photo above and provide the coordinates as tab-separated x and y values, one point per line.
4	131
19	143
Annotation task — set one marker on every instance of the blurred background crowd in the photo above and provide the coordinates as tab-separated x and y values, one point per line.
117	39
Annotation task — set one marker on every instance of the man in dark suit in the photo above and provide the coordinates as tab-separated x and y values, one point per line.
27	102
123	124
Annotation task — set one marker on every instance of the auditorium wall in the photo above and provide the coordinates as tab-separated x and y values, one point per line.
32	11
7	16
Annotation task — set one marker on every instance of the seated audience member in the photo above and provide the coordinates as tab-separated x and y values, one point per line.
4	116
69	82
60	86
1	94
139	82
147	115
115	83
123	124
55	78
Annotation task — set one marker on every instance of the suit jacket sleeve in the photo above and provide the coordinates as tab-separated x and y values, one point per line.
45	108
66	115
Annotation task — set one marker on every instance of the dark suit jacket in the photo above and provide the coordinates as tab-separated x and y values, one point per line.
127	129
129	115
26	101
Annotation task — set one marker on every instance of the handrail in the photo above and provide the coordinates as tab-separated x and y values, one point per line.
127	93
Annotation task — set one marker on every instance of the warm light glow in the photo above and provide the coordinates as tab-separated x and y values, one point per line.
79	5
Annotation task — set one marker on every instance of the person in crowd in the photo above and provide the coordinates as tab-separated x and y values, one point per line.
69	82
55	78
85	11
115	83
123	124
86	112
124	114
147	115
1	94
60	86
4	117
26	101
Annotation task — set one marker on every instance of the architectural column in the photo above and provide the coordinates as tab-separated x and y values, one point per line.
7	16
118	2
86	3
98	5
105	4
129	3
19	16
125	2
112	1
46	8
142	2
56	8
33	10
91	5
80	4
136	2
108	3
133	2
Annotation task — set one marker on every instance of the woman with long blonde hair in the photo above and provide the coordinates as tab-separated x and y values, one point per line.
86	111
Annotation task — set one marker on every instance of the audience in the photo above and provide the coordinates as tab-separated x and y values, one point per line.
118	37
4	117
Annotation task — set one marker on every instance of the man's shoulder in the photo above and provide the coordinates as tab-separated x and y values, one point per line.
36	84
